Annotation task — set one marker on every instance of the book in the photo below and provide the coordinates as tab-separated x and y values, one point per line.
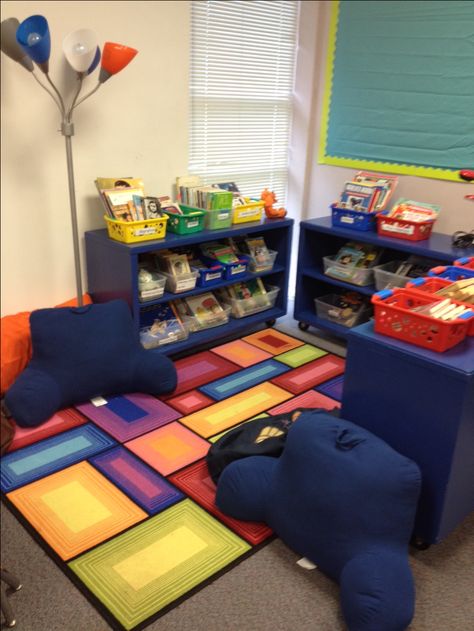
167	327
104	183
221	252
205	308
229	186
348	255
121	204
184	182
409	210
257	249
370	254
177	264
387	184
357	196
151	208
138	203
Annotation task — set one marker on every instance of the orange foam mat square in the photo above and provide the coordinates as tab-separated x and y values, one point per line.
224	414
169	448
75	509
310	375
242	353
273	341
310	399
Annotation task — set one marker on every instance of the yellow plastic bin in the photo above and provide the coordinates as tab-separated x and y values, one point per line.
136	231
248	212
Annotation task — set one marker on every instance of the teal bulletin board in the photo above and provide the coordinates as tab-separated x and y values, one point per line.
399	94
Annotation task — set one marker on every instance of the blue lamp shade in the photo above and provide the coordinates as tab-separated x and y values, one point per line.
95	62
10	46
80	48
33	36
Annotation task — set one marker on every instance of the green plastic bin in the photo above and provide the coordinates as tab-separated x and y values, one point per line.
218	218
192	220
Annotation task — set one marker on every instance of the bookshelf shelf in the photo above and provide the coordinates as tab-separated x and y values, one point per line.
112	272
319	238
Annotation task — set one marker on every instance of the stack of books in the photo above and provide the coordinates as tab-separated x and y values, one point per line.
367	192
124	199
409	210
246	297
166	328
192	193
200	312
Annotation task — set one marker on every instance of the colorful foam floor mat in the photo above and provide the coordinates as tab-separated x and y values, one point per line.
119	495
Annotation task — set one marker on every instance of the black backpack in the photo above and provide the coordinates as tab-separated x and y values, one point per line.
259	437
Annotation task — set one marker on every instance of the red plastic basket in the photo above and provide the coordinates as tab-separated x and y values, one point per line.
394	316
403	229
466	261
431	285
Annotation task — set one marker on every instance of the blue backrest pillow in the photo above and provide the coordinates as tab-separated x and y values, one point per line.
344	499
80	353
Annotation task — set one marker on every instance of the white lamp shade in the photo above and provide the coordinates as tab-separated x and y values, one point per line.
80	48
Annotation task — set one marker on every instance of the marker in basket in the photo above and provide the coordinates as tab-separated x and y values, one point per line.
439	308
456	313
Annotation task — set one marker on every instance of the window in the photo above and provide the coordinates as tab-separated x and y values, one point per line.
242	69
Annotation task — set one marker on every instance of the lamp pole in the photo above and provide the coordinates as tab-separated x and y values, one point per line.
67	130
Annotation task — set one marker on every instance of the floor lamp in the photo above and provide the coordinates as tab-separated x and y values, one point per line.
28	42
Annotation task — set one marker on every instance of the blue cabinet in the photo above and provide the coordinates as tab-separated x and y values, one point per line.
318	239
422	404
112	272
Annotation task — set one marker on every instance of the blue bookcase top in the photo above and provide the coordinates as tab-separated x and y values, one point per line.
175	240
437	244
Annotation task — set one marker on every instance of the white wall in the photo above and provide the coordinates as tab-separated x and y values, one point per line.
326	181
136	124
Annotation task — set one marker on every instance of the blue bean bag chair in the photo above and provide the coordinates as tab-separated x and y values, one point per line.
344	499
80	353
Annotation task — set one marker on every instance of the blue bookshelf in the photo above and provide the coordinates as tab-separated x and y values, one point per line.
318	238
112	272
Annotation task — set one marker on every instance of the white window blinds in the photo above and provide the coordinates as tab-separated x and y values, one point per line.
242	68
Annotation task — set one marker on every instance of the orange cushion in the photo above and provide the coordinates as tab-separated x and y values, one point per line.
16	343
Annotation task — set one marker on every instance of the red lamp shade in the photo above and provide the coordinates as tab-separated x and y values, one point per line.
114	59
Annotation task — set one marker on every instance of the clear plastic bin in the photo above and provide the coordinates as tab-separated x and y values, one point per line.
248	306
192	324
152	288
180	283
149	340
348	273
385	277
262	266
326	309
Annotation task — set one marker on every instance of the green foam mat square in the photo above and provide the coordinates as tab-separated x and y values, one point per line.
140	572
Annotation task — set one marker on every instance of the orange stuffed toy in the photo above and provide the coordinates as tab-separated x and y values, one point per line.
269	198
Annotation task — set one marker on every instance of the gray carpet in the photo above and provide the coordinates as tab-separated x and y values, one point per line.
266	592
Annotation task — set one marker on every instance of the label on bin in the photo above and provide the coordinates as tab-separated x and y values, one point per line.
185	284
346	219
238	269
142	231
193	224
213	275
390	227
249	213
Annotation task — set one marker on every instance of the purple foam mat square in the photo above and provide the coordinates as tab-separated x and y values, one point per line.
149	413
142	484
332	388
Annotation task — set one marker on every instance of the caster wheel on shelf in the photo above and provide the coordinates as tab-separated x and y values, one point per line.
419	544
270	322
303	326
